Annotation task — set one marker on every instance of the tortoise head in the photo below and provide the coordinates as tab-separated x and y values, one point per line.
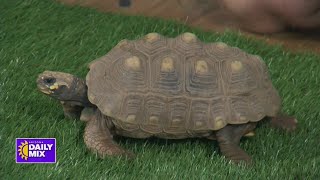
58	85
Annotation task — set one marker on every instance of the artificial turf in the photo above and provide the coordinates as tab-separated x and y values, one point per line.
38	35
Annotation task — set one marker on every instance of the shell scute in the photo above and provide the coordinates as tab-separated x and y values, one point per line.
202	77
167	74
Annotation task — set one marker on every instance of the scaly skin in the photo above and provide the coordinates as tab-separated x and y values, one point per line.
284	122
98	138
229	140
71	91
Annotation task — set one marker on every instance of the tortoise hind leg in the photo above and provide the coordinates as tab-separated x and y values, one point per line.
284	122
98	138
229	140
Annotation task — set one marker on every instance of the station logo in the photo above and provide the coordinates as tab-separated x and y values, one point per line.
35	150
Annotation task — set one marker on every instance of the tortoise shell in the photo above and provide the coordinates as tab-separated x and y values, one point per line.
161	85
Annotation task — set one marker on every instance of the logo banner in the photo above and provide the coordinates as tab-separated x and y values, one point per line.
35	150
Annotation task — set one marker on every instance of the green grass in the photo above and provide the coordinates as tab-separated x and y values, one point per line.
38	35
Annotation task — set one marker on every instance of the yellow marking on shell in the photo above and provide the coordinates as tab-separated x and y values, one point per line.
152	37
236	66
176	121
133	63
154	119
249	134
218	118
218	123
189	37
199	123
54	86
202	67
107	111
242	118
131	118
91	97
167	65
122	43
221	45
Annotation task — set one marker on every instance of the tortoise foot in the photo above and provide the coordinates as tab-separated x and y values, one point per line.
114	150
229	139
284	122
235	154
105	147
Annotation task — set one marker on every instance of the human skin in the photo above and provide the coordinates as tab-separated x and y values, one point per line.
269	16
259	16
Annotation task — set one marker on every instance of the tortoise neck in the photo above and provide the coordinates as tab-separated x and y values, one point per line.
78	93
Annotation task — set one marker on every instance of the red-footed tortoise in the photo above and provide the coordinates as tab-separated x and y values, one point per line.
169	88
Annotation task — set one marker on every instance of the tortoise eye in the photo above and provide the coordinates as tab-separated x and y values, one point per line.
49	80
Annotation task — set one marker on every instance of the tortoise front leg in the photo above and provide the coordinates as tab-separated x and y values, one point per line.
229	140
71	111
98	138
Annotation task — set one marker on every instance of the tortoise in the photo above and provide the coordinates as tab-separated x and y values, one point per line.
170	88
